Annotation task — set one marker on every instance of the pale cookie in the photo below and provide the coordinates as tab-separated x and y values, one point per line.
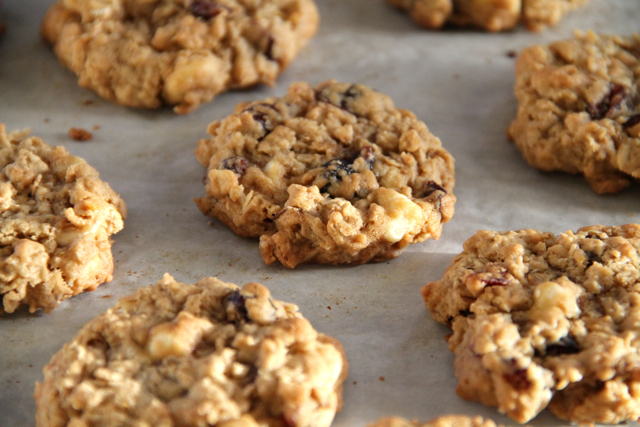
541	320
443	421
578	108
149	53
330	175
56	220
208	354
497	15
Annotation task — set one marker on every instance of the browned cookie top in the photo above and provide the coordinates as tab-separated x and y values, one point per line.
207	354
334	174
443	421
498	15
146	53
540	319
56	217
579	108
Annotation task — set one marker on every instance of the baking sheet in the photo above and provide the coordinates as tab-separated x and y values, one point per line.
458	81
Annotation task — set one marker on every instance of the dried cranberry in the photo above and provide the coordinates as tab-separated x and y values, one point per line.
519	380
432	187
632	121
591	259
344	98
205	9
566	345
236	164
612	101
237	301
268	51
337	169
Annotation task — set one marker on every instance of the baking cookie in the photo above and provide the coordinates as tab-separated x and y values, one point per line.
444	421
146	53
578	108
543	320
489	15
56	220
330	175
209	354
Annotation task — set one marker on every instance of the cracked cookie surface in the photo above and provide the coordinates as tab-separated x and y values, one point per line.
210	354
541	320
149	53
334	174
55	222
499	15
443	421
579	108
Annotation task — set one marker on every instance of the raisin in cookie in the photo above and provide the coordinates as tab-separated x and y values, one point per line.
146	53
330	175
208	354
541	320
55	224
496	15
578	108
444	421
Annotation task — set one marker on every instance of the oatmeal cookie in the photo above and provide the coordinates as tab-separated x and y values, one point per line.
496	15
208	354
444	421
541	320
146	53
330	175
55	224
579	109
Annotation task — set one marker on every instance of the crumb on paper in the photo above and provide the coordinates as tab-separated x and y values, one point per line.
96	127
88	102
80	134
46	120
512	53
106	296
381	379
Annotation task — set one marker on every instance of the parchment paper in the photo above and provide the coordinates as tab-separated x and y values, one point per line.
458	81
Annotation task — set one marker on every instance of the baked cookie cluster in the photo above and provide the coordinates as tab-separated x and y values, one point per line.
488	15
541	321
578	108
332	175
193	355
444	421
182	53
56	219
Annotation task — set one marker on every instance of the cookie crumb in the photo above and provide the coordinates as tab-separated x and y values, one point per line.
87	102
329	307
46	120
80	134
512	53
381	379
105	296
96	127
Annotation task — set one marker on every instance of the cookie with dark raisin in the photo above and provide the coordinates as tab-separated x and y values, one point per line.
493	16
207	354
443	421
331	175
546	321
146	54
579	108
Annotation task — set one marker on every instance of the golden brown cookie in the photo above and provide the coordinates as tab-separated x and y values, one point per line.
146	53
55	227
541	321
207	354
578	108
444	421
331	175
496	15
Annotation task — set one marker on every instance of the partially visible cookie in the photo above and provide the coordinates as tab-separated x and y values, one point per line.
541	320
444	421
208	354
494	16
149	53
332	175
55	222
579	109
